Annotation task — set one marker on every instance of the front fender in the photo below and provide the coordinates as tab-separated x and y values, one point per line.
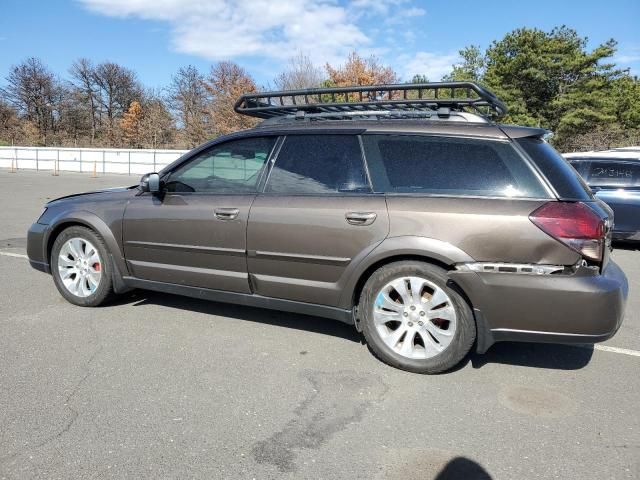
90	220
398	247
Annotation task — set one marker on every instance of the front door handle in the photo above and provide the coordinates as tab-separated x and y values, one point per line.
227	213
360	218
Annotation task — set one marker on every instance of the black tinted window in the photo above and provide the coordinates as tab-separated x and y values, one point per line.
612	173
564	178
231	167
448	166
319	164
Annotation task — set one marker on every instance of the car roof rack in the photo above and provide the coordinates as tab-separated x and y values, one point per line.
410	100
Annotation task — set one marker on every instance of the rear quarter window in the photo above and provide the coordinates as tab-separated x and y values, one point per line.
449	166
565	180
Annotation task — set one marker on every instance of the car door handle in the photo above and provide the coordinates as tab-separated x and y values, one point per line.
226	213
360	218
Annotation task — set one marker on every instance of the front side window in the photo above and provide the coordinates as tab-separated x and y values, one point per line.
448	166
319	164
231	167
612	173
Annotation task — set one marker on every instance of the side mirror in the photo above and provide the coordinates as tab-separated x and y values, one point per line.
150	183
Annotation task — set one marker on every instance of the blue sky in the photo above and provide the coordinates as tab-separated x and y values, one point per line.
156	37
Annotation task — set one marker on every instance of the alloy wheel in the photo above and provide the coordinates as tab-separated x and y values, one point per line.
80	267
414	317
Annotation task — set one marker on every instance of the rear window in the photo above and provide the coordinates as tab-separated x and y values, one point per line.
448	166
564	178
612	173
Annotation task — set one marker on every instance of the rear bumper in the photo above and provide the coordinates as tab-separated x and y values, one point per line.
580	308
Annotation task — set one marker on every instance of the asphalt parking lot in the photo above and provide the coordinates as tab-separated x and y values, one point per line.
158	386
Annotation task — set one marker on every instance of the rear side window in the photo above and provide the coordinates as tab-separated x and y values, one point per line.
564	178
317	164
448	166
612	173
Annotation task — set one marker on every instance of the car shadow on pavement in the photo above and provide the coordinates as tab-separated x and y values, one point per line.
622	245
536	355
240	312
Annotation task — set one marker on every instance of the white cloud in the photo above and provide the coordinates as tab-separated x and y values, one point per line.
404	15
392	12
628	56
433	65
223	29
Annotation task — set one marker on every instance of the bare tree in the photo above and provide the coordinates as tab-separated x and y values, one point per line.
118	88
33	90
188	99
74	126
83	74
158	126
227	81
9	124
301	73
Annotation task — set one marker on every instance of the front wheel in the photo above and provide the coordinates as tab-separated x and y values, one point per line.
413	320
80	267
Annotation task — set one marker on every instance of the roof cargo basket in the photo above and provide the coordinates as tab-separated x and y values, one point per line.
410	100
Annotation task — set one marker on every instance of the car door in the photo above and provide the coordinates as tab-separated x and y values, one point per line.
617	183
194	233
315	220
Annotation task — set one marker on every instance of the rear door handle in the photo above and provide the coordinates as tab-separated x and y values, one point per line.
360	218
226	213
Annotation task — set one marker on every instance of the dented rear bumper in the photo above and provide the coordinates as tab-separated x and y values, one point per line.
583	307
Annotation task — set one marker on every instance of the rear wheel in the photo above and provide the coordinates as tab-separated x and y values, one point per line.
80	267
413	320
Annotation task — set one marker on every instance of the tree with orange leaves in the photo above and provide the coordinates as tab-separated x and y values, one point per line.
226	82
361	71
131	124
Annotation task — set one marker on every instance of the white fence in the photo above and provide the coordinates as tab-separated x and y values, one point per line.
103	160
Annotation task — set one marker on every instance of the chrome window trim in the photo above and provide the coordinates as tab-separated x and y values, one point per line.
519	268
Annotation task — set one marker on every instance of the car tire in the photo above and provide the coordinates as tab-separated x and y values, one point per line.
451	321
89	294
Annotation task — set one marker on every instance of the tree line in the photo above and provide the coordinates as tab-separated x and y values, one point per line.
548	79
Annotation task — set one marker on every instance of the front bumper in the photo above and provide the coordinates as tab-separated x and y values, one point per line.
37	247
585	307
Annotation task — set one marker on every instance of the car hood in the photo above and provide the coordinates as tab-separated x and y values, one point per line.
91	195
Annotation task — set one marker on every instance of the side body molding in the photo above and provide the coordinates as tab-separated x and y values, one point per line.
402	246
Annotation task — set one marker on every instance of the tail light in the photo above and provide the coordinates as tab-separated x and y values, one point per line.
575	225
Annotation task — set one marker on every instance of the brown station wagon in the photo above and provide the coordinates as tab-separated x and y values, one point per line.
401	209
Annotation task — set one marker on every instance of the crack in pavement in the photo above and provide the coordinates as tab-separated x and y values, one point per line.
67	402
336	401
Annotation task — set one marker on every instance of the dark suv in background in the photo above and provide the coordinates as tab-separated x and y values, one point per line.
398	209
614	177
